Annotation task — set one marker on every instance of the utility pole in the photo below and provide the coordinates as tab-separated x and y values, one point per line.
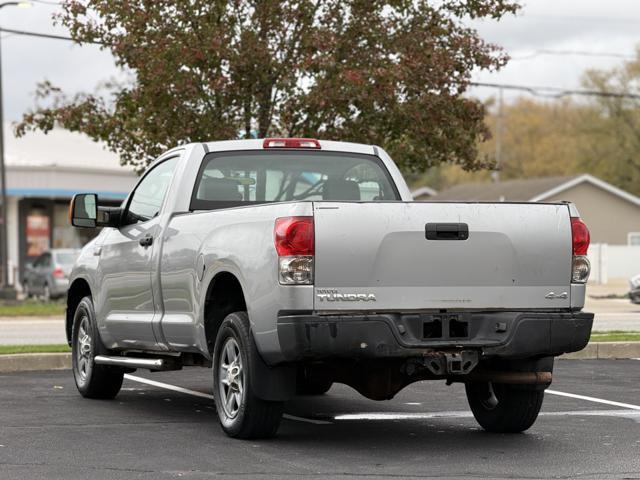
495	175
6	290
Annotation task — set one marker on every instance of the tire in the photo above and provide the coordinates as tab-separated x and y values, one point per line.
27	291
93	381
46	293
515	411
309	383
241	413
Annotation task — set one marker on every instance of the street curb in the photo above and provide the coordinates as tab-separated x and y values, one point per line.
604	350
26	362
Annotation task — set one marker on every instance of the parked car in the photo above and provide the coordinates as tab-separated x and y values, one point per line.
48	275
634	289
290	264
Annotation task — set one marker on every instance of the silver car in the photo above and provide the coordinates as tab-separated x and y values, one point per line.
48	275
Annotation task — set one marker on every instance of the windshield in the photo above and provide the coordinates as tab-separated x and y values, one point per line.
237	178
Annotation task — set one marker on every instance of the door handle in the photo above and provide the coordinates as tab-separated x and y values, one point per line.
447	231
146	241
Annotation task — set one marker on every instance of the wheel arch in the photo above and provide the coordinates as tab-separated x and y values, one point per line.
78	289
224	295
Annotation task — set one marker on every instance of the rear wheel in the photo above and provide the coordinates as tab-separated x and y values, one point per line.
504	408
241	413
93	381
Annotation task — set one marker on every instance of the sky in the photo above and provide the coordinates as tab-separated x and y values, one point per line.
593	26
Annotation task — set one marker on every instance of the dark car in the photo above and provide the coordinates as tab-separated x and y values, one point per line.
48	275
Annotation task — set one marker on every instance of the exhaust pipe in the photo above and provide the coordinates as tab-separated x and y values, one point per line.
513	378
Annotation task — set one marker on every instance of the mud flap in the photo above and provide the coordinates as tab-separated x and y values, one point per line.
273	384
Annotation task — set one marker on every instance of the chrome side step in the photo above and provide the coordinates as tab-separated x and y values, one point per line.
130	362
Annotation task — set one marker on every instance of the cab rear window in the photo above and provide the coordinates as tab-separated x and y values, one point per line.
228	179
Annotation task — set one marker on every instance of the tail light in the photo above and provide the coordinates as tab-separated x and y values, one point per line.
291	143
58	273
294	242
580	244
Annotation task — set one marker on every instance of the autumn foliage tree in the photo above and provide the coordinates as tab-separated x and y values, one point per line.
387	72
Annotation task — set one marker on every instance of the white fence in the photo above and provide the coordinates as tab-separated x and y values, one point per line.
613	262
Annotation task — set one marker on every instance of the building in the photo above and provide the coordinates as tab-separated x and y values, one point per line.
43	174
612	214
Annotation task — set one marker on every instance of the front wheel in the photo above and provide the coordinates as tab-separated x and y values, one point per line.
241	413
93	381
504	408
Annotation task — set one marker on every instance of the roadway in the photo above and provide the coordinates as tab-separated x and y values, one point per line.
589	428
611	314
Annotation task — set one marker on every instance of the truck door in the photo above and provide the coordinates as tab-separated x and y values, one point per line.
127	306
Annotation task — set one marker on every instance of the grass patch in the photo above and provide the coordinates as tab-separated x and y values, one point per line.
31	308
9	349
615	336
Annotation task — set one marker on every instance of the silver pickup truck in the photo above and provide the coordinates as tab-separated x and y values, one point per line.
290	264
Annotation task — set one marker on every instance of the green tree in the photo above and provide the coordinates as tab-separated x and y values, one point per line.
388	72
611	148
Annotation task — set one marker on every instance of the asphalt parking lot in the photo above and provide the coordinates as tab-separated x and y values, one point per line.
170	430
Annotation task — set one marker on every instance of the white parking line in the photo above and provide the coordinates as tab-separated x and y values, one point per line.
195	393
632	414
392	415
167	386
593	399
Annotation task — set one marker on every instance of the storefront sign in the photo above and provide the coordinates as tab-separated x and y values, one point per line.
38	234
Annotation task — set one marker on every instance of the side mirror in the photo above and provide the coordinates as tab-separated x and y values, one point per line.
84	212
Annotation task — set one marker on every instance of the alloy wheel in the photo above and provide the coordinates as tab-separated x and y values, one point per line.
231	378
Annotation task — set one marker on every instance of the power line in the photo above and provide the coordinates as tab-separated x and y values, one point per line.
576	18
567	53
46	2
45	35
555	92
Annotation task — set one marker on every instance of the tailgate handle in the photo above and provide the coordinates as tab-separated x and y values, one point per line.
447	231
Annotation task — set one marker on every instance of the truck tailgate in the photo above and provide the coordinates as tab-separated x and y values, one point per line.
376	256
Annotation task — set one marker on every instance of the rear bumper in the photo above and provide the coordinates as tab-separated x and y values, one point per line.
496	334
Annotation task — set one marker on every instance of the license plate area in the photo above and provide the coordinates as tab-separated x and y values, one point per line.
444	326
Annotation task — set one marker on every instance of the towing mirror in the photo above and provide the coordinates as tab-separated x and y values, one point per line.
84	210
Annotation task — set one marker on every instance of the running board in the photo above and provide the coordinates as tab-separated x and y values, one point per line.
131	362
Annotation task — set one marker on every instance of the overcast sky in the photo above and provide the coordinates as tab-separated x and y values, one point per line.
561	25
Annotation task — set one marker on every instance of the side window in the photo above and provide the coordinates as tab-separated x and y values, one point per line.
147	199
43	261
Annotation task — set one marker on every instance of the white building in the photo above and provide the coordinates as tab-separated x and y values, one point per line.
43	174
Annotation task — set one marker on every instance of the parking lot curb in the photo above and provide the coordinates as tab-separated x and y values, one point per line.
606	350
26	362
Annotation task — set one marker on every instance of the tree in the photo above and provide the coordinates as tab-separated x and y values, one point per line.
539	138
387	72
612	135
